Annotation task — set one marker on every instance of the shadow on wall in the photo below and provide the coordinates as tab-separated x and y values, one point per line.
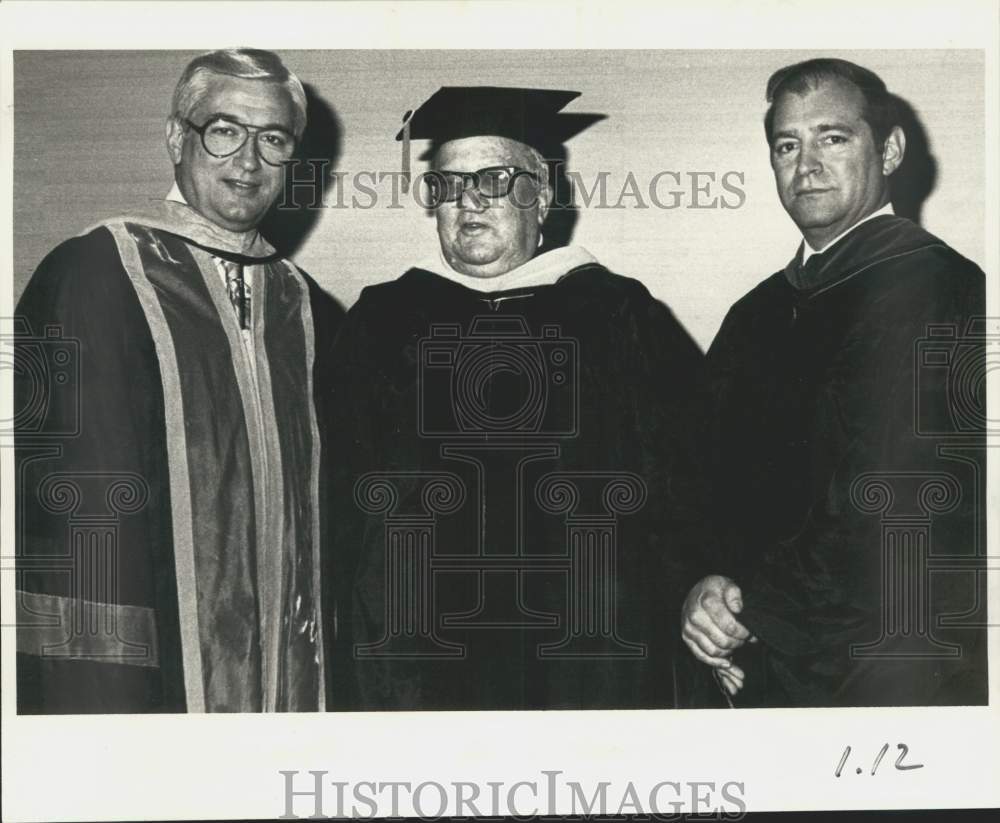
914	180
557	231
294	216
564	214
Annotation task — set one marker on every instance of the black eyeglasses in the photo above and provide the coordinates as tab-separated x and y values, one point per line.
492	182
222	137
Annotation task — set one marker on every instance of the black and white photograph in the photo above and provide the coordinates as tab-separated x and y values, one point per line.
492	409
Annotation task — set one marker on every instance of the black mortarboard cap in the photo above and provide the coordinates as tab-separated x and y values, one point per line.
530	116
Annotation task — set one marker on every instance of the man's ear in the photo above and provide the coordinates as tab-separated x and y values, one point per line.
545	195
175	139
893	151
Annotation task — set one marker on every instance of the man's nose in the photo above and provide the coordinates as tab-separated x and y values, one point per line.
808	161
248	157
471	199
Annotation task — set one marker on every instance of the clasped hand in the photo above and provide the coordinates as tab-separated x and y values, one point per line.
710	628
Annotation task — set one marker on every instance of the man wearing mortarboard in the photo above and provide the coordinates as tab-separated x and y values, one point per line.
515	503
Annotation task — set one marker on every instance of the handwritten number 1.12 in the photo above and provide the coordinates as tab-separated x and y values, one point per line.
900	765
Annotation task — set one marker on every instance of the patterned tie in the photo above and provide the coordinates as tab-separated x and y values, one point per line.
239	292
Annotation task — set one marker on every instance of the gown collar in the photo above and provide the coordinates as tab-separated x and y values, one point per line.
175	216
874	241
542	270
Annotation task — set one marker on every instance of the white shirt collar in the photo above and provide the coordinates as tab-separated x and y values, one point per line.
543	270
176	195
808	251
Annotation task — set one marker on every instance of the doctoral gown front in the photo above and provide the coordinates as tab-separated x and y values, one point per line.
167	475
516	502
848	429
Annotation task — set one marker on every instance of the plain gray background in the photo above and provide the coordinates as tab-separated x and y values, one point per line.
89	144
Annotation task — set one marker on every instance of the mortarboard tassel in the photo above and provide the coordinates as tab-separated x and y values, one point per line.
406	151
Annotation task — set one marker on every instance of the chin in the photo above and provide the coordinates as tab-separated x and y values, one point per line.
476	263
242	221
478	256
812	218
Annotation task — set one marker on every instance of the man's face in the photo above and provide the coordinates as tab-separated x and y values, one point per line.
485	237
828	170
236	191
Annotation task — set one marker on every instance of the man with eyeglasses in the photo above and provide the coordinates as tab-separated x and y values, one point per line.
192	426
514	498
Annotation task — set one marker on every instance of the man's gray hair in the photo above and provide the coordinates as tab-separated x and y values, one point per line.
541	167
248	64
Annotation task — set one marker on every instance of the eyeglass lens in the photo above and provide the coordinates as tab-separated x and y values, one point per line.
492	182
224	137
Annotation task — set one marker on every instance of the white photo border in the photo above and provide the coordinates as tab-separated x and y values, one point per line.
224	767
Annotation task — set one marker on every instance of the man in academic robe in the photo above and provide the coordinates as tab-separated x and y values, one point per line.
514	495
847	425
167	442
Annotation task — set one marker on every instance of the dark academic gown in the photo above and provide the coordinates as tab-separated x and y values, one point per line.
515	499
167	500
849	402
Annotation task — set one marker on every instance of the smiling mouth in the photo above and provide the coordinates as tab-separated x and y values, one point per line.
242	185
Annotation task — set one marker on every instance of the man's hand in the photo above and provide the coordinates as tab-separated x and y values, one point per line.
730	679
710	628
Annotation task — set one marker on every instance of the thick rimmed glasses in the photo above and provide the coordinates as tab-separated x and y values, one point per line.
222	137
492	182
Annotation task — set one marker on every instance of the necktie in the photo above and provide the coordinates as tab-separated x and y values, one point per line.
809	272
239	293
